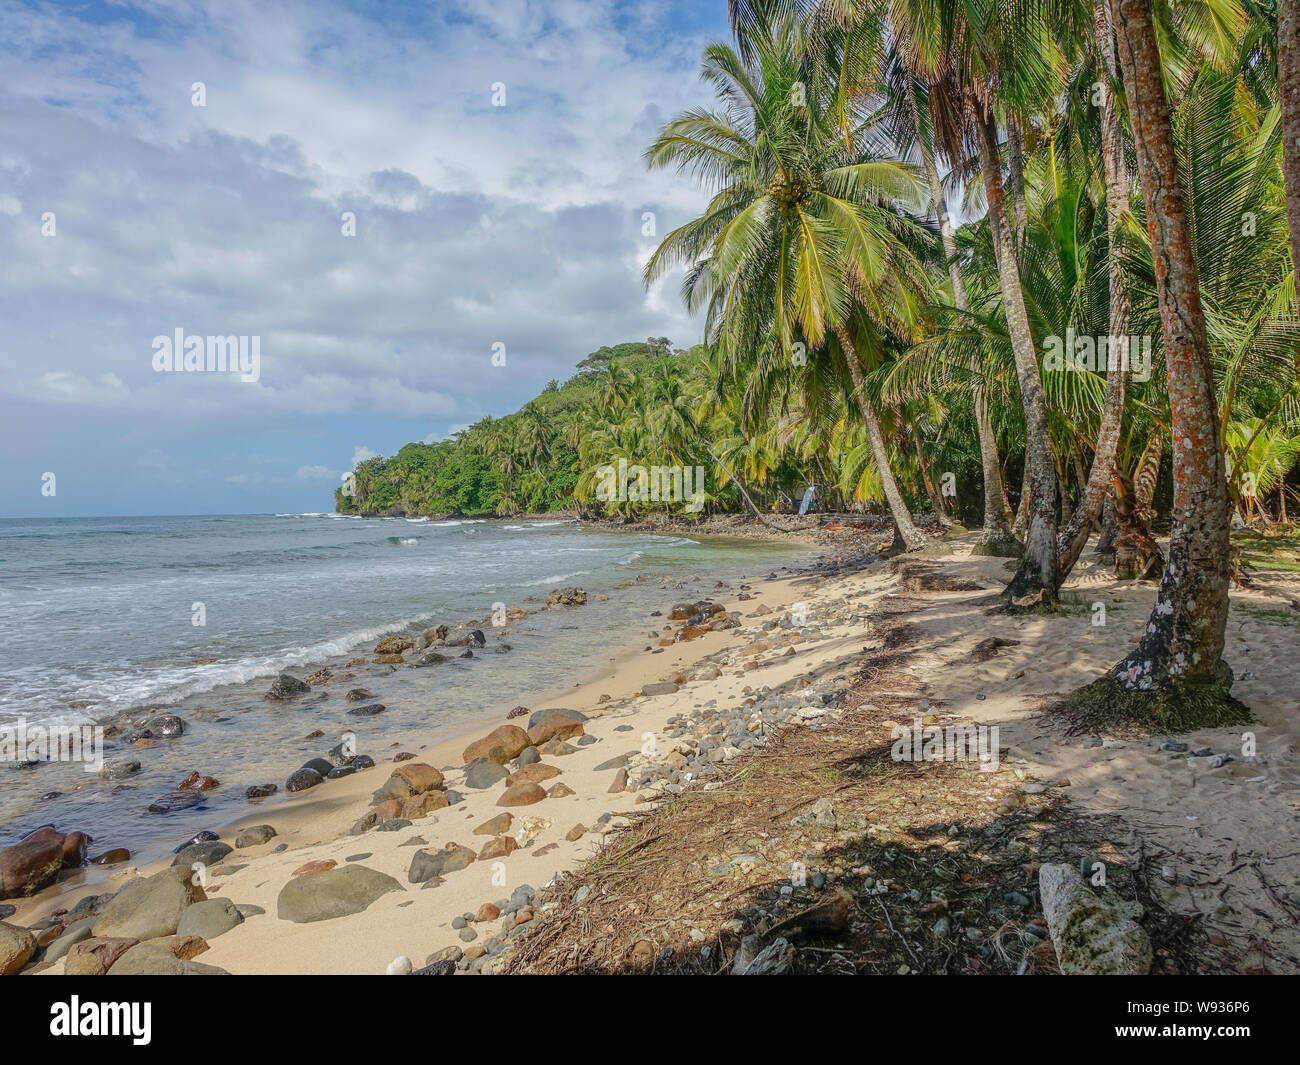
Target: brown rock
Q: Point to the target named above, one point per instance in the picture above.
(388, 660)
(320, 865)
(394, 645)
(388, 809)
(557, 748)
(576, 832)
(498, 848)
(419, 777)
(554, 727)
(560, 791)
(534, 774)
(424, 805)
(74, 849)
(620, 782)
(30, 864)
(500, 745)
(95, 956)
(17, 945)
(495, 826)
(523, 794)
(487, 912)
(196, 782)
(184, 947)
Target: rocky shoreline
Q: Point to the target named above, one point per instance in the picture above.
(413, 791)
(723, 799)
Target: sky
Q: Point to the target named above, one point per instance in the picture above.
(373, 194)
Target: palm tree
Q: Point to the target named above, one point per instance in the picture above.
(1176, 675)
(800, 247)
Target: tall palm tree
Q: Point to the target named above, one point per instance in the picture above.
(800, 244)
(1176, 675)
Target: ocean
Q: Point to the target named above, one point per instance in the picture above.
(103, 616)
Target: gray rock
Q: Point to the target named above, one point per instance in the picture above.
(75, 934)
(659, 688)
(528, 756)
(776, 959)
(204, 853)
(1091, 934)
(119, 770)
(425, 864)
(302, 780)
(146, 908)
(286, 686)
(254, 836)
(152, 959)
(484, 773)
(209, 919)
(336, 892)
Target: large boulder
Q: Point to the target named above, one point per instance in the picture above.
(149, 907)
(31, 863)
(337, 893)
(1092, 934)
(209, 919)
(500, 745)
(17, 945)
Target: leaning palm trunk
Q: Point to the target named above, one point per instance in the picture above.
(912, 536)
(1176, 677)
(996, 539)
(936, 500)
(1288, 67)
(1037, 575)
(1079, 527)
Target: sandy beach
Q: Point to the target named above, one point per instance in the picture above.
(1219, 834)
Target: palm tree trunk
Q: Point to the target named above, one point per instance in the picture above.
(1037, 574)
(1288, 68)
(1016, 178)
(912, 536)
(996, 538)
(1179, 659)
(936, 500)
(1020, 524)
(1079, 528)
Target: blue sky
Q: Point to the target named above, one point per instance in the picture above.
(127, 212)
